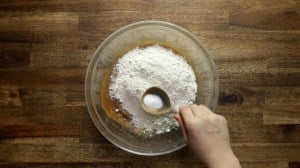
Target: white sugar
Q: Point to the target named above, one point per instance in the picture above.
(142, 68)
(153, 101)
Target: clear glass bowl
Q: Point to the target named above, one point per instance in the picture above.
(130, 37)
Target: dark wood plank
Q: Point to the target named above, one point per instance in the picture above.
(246, 125)
(282, 164)
(89, 133)
(38, 21)
(282, 106)
(68, 165)
(204, 21)
(43, 77)
(43, 115)
(75, 96)
(43, 96)
(294, 164)
(281, 78)
(283, 96)
(21, 131)
(14, 58)
(281, 114)
(242, 96)
(108, 152)
(267, 152)
(114, 5)
(264, 15)
(59, 58)
(10, 95)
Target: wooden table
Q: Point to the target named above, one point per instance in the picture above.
(46, 47)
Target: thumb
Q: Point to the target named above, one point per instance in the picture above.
(182, 126)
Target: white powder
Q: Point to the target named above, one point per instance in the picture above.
(142, 68)
(153, 101)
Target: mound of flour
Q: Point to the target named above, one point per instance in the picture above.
(142, 68)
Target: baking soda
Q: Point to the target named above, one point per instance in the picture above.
(152, 66)
(153, 101)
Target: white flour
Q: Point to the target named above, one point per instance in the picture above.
(142, 68)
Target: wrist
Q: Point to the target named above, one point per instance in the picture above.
(227, 160)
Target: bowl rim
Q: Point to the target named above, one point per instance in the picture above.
(106, 42)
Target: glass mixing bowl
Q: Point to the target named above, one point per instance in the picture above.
(130, 37)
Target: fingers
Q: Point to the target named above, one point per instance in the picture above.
(196, 110)
(186, 113)
(185, 117)
(206, 109)
(182, 126)
(202, 111)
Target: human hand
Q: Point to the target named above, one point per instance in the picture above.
(207, 134)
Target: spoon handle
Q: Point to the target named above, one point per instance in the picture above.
(175, 108)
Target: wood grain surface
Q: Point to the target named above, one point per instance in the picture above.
(45, 47)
